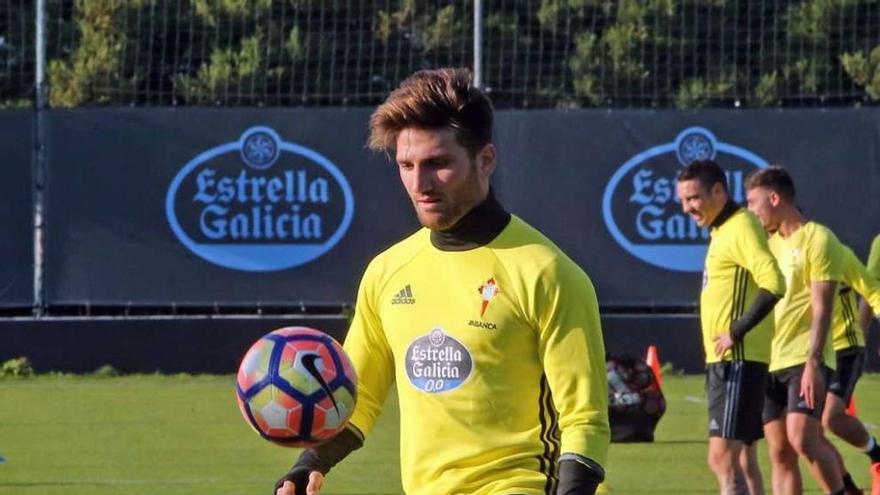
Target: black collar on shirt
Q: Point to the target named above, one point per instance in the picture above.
(729, 209)
(476, 228)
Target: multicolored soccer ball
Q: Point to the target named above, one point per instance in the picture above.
(296, 387)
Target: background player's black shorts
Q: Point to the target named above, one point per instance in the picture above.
(736, 394)
(784, 390)
(850, 364)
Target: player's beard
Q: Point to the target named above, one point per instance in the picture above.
(454, 203)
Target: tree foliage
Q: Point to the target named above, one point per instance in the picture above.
(571, 53)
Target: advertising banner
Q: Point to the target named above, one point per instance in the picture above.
(287, 206)
(214, 207)
(602, 184)
(16, 205)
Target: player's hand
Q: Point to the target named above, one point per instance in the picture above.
(316, 481)
(812, 383)
(723, 343)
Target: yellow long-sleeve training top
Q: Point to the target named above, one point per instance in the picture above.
(498, 359)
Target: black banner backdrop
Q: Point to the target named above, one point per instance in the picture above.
(16, 205)
(248, 206)
(601, 184)
(130, 224)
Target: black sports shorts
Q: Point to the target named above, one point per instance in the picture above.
(783, 394)
(735, 390)
(850, 364)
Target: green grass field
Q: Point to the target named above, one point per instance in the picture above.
(168, 435)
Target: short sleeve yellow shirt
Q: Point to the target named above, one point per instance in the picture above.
(811, 254)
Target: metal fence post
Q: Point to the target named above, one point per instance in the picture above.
(478, 44)
(39, 155)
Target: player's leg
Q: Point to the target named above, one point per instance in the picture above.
(847, 428)
(749, 423)
(850, 363)
(804, 430)
(785, 474)
(805, 435)
(748, 462)
(835, 420)
(849, 485)
(723, 385)
(834, 416)
(724, 462)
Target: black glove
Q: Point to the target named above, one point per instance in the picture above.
(322, 458)
(578, 475)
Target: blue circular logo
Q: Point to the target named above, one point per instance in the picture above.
(259, 147)
(694, 144)
(437, 362)
(232, 207)
(641, 209)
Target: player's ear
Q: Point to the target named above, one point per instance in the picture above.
(774, 198)
(486, 158)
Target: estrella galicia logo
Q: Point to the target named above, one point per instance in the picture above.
(437, 362)
(259, 204)
(641, 209)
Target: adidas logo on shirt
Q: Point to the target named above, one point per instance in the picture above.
(713, 425)
(405, 296)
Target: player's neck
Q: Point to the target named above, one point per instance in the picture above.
(725, 211)
(792, 220)
(476, 228)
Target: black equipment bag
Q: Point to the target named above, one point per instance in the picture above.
(635, 401)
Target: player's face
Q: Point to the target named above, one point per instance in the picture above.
(760, 201)
(441, 177)
(701, 203)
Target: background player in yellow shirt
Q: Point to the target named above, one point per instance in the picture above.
(866, 319)
(801, 354)
(741, 285)
(848, 340)
(490, 333)
(866, 315)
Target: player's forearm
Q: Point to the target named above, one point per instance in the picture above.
(581, 399)
(587, 435)
(822, 303)
(819, 334)
(761, 306)
(323, 457)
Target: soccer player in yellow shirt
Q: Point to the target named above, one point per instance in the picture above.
(801, 354)
(848, 340)
(741, 285)
(866, 318)
(866, 315)
(488, 331)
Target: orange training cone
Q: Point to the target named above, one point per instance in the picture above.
(654, 363)
(851, 408)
